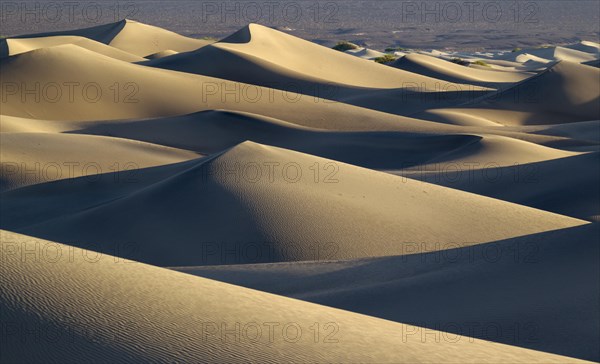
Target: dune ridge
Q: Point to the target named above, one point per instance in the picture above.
(234, 184)
(154, 187)
(128, 35)
(89, 327)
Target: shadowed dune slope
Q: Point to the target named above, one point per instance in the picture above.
(23, 45)
(170, 199)
(272, 194)
(538, 291)
(14, 124)
(105, 88)
(568, 186)
(582, 52)
(566, 92)
(31, 158)
(594, 63)
(589, 130)
(451, 72)
(263, 56)
(162, 54)
(93, 319)
(213, 131)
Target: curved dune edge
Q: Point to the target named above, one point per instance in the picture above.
(146, 92)
(436, 196)
(199, 199)
(565, 92)
(23, 45)
(130, 36)
(162, 54)
(166, 315)
(566, 186)
(215, 130)
(262, 56)
(32, 158)
(451, 72)
(527, 282)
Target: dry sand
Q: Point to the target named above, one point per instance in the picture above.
(270, 162)
(119, 310)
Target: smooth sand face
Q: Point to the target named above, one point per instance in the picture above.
(121, 310)
(264, 188)
(392, 288)
(448, 71)
(32, 158)
(256, 46)
(270, 162)
(18, 46)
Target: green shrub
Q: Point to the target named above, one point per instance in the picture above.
(516, 50)
(460, 61)
(344, 46)
(481, 63)
(385, 59)
(395, 49)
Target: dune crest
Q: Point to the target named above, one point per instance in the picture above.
(263, 56)
(319, 192)
(90, 327)
(448, 201)
(127, 35)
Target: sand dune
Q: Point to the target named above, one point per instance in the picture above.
(572, 192)
(199, 200)
(498, 151)
(365, 53)
(576, 54)
(451, 72)
(213, 131)
(594, 63)
(278, 164)
(68, 297)
(566, 92)
(584, 130)
(122, 90)
(13, 124)
(31, 158)
(267, 57)
(539, 289)
(459, 116)
(23, 45)
(132, 37)
(528, 65)
(586, 46)
(162, 54)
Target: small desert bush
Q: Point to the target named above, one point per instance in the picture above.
(395, 49)
(385, 59)
(481, 63)
(344, 46)
(460, 61)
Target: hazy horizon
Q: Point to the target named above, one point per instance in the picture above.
(425, 24)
